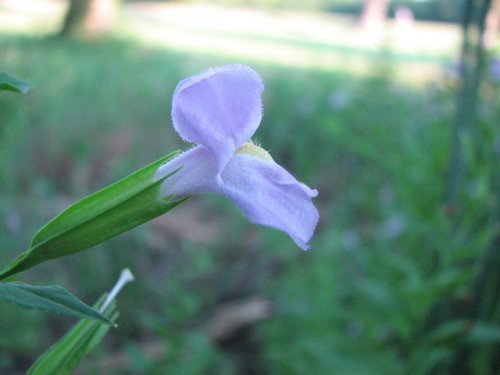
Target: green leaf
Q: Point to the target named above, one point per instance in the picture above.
(9, 82)
(98, 204)
(63, 357)
(49, 298)
(115, 209)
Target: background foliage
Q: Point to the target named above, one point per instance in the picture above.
(390, 273)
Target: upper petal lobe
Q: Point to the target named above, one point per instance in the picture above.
(219, 108)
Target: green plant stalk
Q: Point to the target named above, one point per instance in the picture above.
(472, 64)
(63, 357)
(485, 288)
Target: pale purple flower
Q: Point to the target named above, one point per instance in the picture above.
(219, 110)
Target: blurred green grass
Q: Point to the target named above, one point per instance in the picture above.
(385, 253)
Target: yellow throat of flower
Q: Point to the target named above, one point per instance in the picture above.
(250, 148)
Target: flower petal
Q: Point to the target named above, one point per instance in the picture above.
(267, 194)
(219, 108)
(196, 174)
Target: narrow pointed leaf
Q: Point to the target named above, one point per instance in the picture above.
(97, 218)
(49, 298)
(63, 357)
(9, 82)
(100, 202)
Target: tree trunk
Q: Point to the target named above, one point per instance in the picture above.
(89, 18)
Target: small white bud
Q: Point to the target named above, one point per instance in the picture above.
(125, 277)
